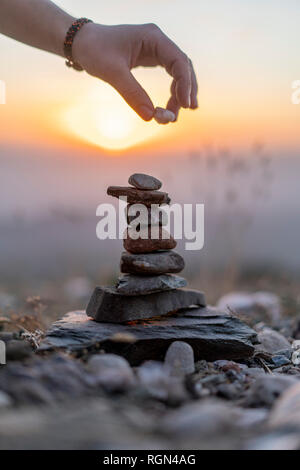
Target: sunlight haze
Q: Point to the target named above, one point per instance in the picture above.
(245, 65)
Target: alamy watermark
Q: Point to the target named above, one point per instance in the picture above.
(2, 92)
(295, 97)
(187, 222)
(2, 353)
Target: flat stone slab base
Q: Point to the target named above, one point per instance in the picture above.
(108, 305)
(212, 334)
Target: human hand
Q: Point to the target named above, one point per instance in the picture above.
(111, 52)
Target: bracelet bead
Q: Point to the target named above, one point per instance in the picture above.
(68, 43)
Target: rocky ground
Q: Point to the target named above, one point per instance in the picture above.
(57, 396)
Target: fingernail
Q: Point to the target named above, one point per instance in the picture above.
(145, 112)
(187, 103)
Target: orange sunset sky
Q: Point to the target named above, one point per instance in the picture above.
(66, 136)
(246, 54)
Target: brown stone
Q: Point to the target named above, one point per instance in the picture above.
(142, 181)
(139, 196)
(164, 241)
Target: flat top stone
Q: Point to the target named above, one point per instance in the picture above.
(212, 334)
(131, 284)
(142, 181)
(139, 196)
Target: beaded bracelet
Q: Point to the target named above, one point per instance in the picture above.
(72, 31)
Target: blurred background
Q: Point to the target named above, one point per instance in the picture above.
(64, 137)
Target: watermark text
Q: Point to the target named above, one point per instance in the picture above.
(138, 221)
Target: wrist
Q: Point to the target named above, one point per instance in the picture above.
(82, 43)
(60, 32)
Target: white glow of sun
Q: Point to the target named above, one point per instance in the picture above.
(103, 118)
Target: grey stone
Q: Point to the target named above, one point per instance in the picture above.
(46, 380)
(250, 419)
(130, 284)
(154, 378)
(213, 380)
(142, 181)
(17, 350)
(180, 359)
(94, 424)
(211, 333)
(255, 307)
(230, 391)
(99, 362)
(5, 400)
(286, 411)
(254, 372)
(266, 389)
(139, 196)
(156, 382)
(277, 440)
(200, 391)
(107, 305)
(271, 341)
(285, 352)
(279, 360)
(164, 116)
(209, 417)
(7, 336)
(152, 263)
(112, 372)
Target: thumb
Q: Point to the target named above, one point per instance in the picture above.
(134, 94)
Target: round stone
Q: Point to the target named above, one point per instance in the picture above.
(180, 358)
(164, 116)
(142, 181)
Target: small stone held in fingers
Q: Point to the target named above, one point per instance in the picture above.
(164, 116)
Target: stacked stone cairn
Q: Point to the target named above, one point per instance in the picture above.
(148, 287)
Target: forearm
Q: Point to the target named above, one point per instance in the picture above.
(38, 23)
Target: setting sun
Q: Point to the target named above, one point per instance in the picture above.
(104, 119)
